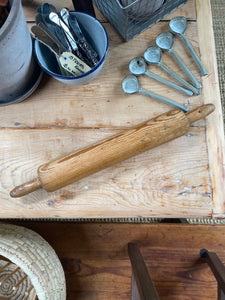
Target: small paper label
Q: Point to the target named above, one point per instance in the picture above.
(73, 64)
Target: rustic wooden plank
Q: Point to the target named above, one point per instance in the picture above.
(102, 103)
(215, 134)
(29, 6)
(171, 180)
(96, 263)
(188, 10)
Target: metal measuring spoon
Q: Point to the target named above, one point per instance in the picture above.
(138, 66)
(178, 26)
(153, 55)
(131, 85)
(165, 41)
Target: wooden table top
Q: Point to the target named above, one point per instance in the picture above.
(183, 178)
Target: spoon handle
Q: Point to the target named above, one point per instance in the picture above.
(168, 83)
(162, 99)
(185, 68)
(194, 55)
(179, 79)
(55, 19)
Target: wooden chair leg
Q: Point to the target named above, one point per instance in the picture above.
(218, 270)
(142, 287)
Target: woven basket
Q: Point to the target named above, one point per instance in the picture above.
(36, 258)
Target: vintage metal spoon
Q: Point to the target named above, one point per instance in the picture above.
(153, 56)
(56, 19)
(42, 25)
(131, 85)
(81, 41)
(58, 32)
(165, 41)
(178, 26)
(138, 66)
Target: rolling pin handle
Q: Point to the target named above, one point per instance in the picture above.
(26, 188)
(200, 113)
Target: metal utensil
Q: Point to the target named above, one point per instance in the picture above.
(49, 33)
(165, 41)
(51, 36)
(153, 55)
(84, 45)
(65, 15)
(86, 50)
(138, 66)
(46, 38)
(66, 60)
(56, 20)
(56, 30)
(75, 49)
(131, 85)
(178, 26)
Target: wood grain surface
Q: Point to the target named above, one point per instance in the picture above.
(97, 266)
(183, 178)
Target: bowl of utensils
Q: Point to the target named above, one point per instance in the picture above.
(70, 46)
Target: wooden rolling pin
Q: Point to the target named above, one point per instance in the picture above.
(65, 170)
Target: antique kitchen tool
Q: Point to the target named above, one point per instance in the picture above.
(95, 34)
(56, 20)
(165, 41)
(153, 55)
(178, 26)
(58, 32)
(65, 170)
(67, 61)
(138, 66)
(131, 85)
(85, 48)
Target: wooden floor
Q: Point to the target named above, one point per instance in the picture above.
(96, 264)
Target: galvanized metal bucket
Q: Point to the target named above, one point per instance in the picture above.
(131, 17)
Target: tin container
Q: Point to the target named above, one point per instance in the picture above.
(131, 17)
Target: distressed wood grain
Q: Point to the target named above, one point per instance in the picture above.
(183, 178)
(215, 125)
(30, 7)
(157, 182)
(102, 103)
(96, 263)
